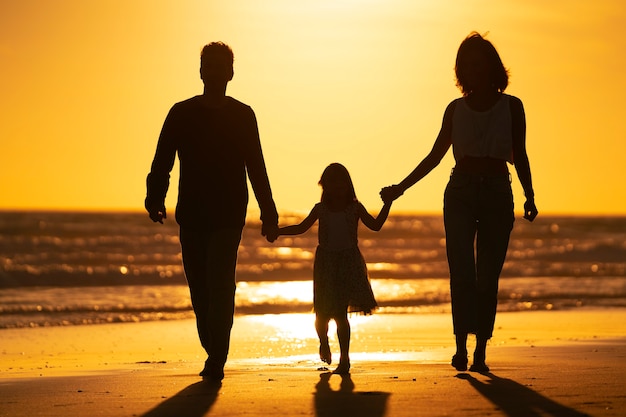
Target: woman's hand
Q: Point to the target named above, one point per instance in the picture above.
(530, 210)
(389, 194)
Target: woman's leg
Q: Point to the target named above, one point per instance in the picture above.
(492, 243)
(492, 240)
(460, 227)
(459, 360)
(480, 354)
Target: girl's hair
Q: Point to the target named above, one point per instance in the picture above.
(474, 42)
(336, 172)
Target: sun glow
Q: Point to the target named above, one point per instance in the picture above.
(362, 82)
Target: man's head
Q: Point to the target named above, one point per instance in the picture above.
(216, 64)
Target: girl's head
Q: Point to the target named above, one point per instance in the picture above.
(478, 66)
(337, 184)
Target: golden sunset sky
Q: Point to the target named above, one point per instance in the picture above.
(86, 86)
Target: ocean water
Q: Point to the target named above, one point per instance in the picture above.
(67, 268)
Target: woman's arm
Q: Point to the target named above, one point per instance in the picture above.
(440, 148)
(374, 223)
(298, 229)
(520, 157)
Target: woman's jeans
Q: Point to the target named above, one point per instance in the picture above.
(476, 209)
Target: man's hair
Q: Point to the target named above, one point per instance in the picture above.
(217, 49)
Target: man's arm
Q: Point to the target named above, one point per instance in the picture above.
(157, 182)
(257, 173)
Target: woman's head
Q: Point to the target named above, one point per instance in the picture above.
(336, 182)
(478, 66)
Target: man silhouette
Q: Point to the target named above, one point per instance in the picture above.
(217, 141)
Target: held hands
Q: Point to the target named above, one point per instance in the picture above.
(530, 210)
(270, 231)
(391, 193)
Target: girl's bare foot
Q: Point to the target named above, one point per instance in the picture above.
(325, 354)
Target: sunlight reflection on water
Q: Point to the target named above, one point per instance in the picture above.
(290, 339)
(357, 358)
(287, 326)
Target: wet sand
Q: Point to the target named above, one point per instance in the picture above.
(548, 363)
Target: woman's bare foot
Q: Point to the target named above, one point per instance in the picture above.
(479, 362)
(459, 362)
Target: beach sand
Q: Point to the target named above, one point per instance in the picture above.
(545, 363)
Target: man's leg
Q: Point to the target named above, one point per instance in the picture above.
(209, 260)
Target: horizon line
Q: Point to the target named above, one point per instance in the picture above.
(254, 211)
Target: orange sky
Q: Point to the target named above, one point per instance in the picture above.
(86, 86)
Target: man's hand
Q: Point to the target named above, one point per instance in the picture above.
(157, 213)
(270, 231)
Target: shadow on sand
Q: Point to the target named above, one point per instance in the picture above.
(194, 401)
(346, 401)
(516, 400)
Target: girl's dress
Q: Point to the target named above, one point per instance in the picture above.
(340, 282)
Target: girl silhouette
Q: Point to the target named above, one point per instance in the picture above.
(340, 282)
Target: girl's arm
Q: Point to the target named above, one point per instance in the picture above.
(520, 157)
(374, 223)
(298, 229)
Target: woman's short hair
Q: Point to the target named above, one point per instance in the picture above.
(476, 42)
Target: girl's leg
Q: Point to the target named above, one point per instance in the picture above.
(321, 326)
(343, 334)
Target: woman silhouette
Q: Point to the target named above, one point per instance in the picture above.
(486, 129)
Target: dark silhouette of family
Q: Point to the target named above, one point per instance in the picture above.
(217, 142)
